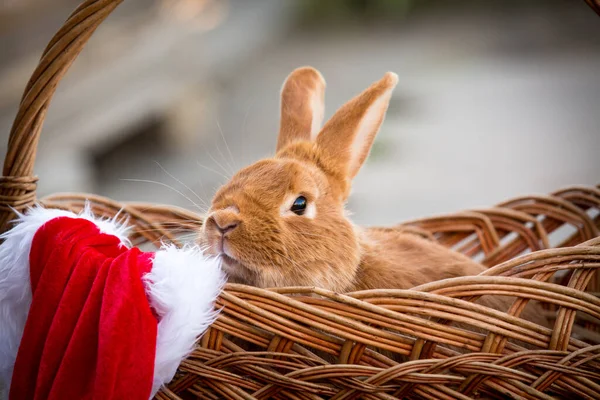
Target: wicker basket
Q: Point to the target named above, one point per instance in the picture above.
(538, 247)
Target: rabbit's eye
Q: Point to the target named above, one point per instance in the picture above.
(299, 205)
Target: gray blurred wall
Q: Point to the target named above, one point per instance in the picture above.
(494, 100)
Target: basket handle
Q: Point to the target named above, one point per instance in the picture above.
(18, 185)
(595, 4)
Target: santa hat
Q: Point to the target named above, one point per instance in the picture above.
(83, 315)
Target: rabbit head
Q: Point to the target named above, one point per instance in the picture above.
(281, 221)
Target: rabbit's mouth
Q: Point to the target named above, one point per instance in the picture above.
(229, 265)
(236, 271)
(228, 260)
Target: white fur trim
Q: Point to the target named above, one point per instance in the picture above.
(182, 286)
(15, 288)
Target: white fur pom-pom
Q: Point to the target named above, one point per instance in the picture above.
(182, 287)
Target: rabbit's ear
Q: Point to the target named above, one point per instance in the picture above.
(302, 106)
(347, 137)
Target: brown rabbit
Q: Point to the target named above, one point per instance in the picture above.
(281, 221)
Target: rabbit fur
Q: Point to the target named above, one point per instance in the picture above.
(263, 243)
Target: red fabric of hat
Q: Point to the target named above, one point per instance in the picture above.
(90, 332)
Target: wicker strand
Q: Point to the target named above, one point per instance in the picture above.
(19, 193)
(594, 4)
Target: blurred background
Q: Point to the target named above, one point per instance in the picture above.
(170, 97)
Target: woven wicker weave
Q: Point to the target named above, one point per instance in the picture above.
(545, 248)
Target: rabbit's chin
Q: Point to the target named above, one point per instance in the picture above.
(237, 272)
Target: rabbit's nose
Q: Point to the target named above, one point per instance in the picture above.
(225, 221)
(227, 228)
